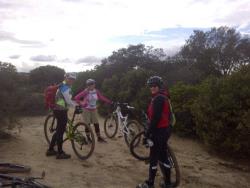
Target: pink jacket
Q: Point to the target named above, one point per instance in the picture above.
(83, 99)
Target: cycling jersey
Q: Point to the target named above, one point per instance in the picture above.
(64, 97)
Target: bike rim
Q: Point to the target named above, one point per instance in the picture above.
(138, 149)
(83, 141)
(50, 127)
(110, 126)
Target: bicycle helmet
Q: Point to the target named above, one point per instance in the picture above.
(70, 76)
(90, 82)
(155, 81)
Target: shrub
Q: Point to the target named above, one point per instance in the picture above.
(182, 99)
(222, 113)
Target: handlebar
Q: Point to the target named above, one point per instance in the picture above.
(116, 104)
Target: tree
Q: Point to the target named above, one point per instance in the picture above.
(219, 51)
(43, 76)
(8, 94)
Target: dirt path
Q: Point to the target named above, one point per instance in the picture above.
(111, 165)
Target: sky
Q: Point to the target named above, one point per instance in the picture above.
(76, 34)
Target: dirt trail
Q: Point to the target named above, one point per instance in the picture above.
(111, 165)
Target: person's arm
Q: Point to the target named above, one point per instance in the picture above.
(80, 96)
(103, 98)
(66, 92)
(158, 104)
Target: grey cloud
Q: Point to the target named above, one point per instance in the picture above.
(236, 18)
(5, 5)
(66, 60)
(89, 60)
(43, 58)
(14, 56)
(26, 67)
(7, 36)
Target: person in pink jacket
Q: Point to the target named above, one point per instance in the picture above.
(87, 100)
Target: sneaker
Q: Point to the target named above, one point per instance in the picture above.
(163, 184)
(100, 139)
(63, 155)
(51, 153)
(144, 185)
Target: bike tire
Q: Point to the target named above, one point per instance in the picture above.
(175, 168)
(171, 156)
(129, 138)
(49, 129)
(134, 144)
(106, 126)
(13, 168)
(14, 181)
(80, 138)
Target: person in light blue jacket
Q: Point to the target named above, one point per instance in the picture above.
(62, 102)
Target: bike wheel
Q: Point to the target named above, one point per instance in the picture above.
(13, 168)
(50, 127)
(138, 149)
(110, 126)
(14, 181)
(133, 128)
(175, 170)
(83, 141)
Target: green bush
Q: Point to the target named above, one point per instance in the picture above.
(182, 99)
(222, 113)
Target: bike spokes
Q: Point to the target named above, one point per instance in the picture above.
(138, 149)
(110, 126)
(83, 141)
(50, 127)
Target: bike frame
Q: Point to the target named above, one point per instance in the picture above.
(122, 120)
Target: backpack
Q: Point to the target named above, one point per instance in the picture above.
(50, 96)
(172, 115)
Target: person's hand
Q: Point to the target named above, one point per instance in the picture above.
(78, 110)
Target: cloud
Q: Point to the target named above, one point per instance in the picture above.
(66, 60)
(7, 36)
(89, 61)
(43, 58)
(164, 36)
(26, 67)
(4, 4)
(14, 56)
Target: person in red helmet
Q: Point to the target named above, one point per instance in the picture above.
(159, 131)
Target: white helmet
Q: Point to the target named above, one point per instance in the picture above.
(70, 76)
(90, 82)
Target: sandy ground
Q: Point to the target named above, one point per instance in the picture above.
(112, 166)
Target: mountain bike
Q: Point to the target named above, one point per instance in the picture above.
(13, 168)
(80, 134)
(16, 182)
(128, 128)
(141, 151)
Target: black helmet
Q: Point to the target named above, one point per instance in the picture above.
(155, 81)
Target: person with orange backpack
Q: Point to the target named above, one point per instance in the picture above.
(59, 102)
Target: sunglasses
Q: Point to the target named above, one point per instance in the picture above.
(153, 86)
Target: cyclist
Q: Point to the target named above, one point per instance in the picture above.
(87, 99)
(62, 102)
(159, 131)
